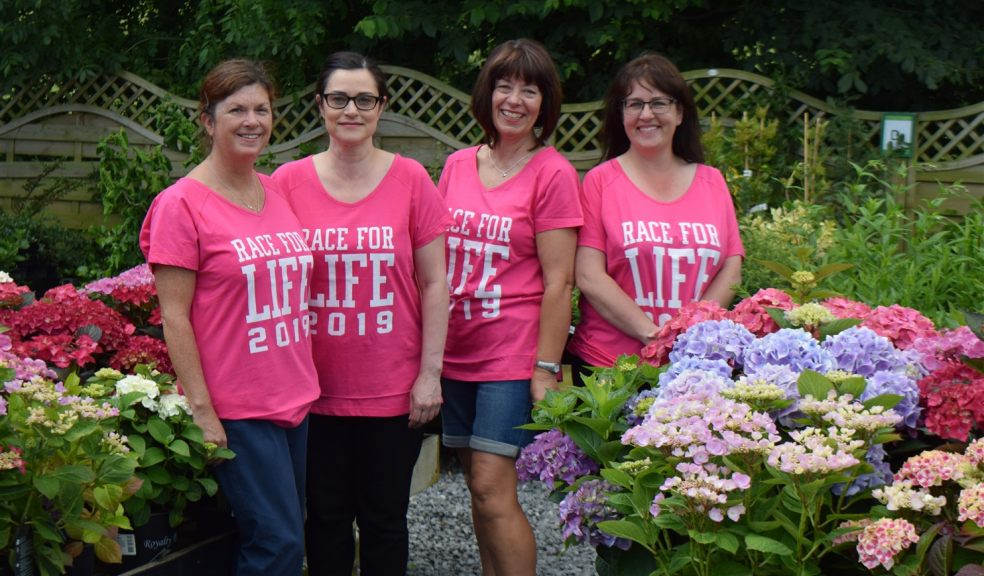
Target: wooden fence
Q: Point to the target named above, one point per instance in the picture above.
(425, 119)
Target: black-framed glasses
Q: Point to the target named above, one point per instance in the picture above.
(339, 100)
(657, 105)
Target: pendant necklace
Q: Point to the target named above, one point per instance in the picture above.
(249, 205)
(505, 173)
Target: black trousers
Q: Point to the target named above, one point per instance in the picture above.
(359, 468)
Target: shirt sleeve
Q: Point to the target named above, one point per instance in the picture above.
(169, 234)
(557, 203)
(429, 214)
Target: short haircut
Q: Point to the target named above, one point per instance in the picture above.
(529, 61)
(351, 61)
(655, 71)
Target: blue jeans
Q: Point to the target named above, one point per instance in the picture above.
(484, 415)
(264, 485)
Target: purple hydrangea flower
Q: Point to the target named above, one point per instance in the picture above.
(790, 347)
(694, 382)
(713, 339)
(553, 456)
(861, 351)
(582, 510)
(897, 383)
(717, 366)
(880, 477)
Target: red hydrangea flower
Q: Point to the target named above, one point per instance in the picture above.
(142, 350)
(953, 398)
(11, 295)
(751, 312)
(658, 351)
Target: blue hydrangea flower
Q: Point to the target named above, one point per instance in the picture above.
(553, 456)
(861, 351)
(713, 339)
(582, 510)
(790, 347)
(897, 383)
(717, 366)
(880, 477)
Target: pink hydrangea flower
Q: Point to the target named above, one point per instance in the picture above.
(932, 468)
(899, 324)
(844, 308)
(856, 528)
(947, 347)
(882, 540)
(751, 312)
(970, 505)
(975, 452)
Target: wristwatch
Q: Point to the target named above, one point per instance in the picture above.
(552, 367)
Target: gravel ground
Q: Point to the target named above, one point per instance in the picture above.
(442, 542)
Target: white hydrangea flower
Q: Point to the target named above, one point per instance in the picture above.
(4, 277)
(135, 383)
(171, 405)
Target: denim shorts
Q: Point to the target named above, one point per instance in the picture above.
(483, 415)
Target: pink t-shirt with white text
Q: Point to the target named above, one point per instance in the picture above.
(662, 254)
(365, 303)
(494, 271)
(249, 309)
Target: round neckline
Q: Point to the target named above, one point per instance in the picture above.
(641, 192)
(219, 195)
(367, 197)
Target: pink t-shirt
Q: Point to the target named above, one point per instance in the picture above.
(662, 254)
(365, 303)
(249, 310)
(493, 269)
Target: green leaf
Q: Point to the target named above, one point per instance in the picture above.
(814, 384)
(194, 434)
(853, 386)
(625, 529)
(617, 477)
(152, 456)
(780, 269)
(211, 486)
(727, 541)
(47, 485)
(837, 326)
(702, 537)
(74, 474)
(180, 447)
(885, 400)
(767, 545)
(160, 430)
(778, 316)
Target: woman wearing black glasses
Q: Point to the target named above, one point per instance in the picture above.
(378, 317)
(659, 226)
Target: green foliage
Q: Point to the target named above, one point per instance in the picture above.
(745, 154)
(924, 259)
(129, 179)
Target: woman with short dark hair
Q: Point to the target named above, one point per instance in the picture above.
(513, 201)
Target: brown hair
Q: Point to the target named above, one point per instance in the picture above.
(351, 61)
(226, 78)
(656, 71)
(529, 61)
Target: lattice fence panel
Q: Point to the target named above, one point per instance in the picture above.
(951, 139)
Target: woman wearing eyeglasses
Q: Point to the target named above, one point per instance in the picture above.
(378, 318)
(659, 226)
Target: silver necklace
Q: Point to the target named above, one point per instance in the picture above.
(505, 173)
(239, 199)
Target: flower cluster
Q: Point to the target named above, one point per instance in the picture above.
(844, 308)
(844, 412)
(809, 314)
(932, 468)
(133, 293)
(658, 351)
(947, 347)
(902, 495)
(713, 340)
(706, 487)
(11, 295)
(883, 539)
(860, 351)
(816, 452)
(552, 457)
(970, 506)
(790, 347)
(751, 312)
(953, 397)
(903, 326)
(582, 510)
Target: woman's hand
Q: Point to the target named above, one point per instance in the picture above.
(540, 383)
(425, 399)
(212, 429)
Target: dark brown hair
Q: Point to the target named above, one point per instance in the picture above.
(351, 61)
(225, 79)
(529, 61)
(655, 71)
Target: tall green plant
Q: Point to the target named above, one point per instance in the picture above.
(129, 178)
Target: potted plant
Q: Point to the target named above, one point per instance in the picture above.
(64, 471)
